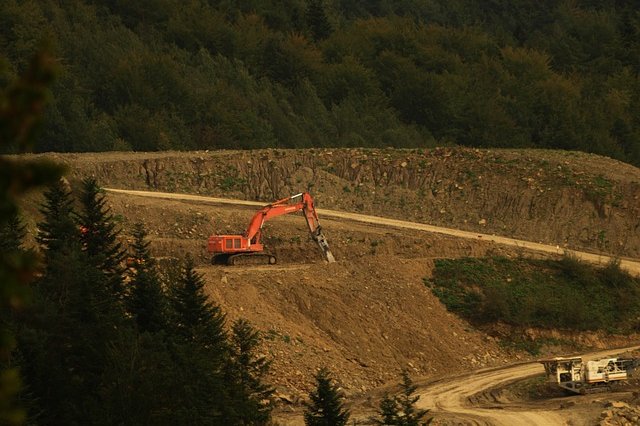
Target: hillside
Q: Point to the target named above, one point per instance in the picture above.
(370, 314)
(362, 321)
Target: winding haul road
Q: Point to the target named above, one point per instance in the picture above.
(450, 396)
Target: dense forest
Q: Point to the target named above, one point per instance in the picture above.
(104, 344)
(168, 74)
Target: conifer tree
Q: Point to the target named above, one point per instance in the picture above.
(65, 339)
(99, 235)
(12, 233)
(326, 407)
(201, 350)
(60, 238)
(146, 299)
(75, 318)
(401, 410)
(197, 319)
(247, 370)
(11, 237)
(144, 385)
(58, 232)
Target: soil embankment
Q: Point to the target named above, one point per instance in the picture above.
(569, 199)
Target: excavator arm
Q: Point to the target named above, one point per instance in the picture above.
(299, 202)
(229, 247)
(311, 216)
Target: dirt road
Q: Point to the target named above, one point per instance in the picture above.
(450, 396)
(631, 265)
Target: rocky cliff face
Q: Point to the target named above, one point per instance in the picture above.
(574, 200)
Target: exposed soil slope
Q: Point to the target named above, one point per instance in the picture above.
(575, 200)
(365, 317)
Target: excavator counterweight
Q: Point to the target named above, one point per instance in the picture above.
(247, 248)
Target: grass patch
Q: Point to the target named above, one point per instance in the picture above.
(534, 346)
(565, 294)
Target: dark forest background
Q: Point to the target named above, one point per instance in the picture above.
(173, 74)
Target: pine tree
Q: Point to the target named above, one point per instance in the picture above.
(145, 298)
(401, 410)
(144, 385)
(201, 350)
(12, 233)
(389, 412)
(100, 236)
(75, 319)
(197, 319)
(326, 407)
(58, 231)
(11, 255)
(247, 370)
(65, 339)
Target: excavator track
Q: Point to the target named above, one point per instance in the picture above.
(244, 259)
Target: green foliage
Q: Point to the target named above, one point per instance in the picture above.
(143, 383)
(21, 103)
(75, 317)
(247, 369)
(400, 410)
(211, 75)
(317, 20)
(145, 299)
(12, 233)
(99, 235)
(534, 346)
(197, 319)
(167, 360)
(562, 293)
(58, 231)
(326, 407)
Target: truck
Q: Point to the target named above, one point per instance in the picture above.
(248, 248)
(578, 376)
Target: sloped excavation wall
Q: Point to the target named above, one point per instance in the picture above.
(573, 200)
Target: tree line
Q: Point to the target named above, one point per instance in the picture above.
(102, 343)
(162, 74)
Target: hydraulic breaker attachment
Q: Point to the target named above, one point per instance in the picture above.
(319, 238)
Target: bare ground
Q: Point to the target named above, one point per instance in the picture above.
(569, 199)
(370, 315)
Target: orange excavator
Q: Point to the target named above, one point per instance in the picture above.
(248, 249)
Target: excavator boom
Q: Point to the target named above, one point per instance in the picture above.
(231, 249)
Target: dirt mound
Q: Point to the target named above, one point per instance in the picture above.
(576, 200)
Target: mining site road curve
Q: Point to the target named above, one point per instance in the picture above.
(449, 396)
(630, 265)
